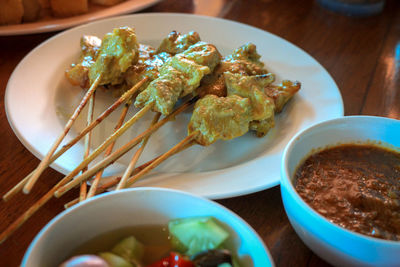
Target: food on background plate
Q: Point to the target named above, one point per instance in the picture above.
(106, 2)
(187, 242)
(45, 3)
(31, 10)
(354, 186)
(11, 12)
(66, 8)
(20, 11)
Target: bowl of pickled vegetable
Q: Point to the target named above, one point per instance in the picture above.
(147, 227)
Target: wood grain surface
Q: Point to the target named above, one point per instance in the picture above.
(361, 54)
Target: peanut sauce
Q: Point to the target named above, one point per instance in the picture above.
(354, 186)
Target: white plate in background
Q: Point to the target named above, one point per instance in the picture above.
(39, 101)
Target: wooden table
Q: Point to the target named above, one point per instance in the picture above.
(362, 55)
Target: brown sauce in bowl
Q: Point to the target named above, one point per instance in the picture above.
(354, 186)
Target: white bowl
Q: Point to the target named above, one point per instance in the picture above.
(335, 244)
(130, 207)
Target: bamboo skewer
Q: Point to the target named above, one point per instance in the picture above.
(107, 142)
(109, 149)
(71, 203)
(45, 162)
(113, 182)
(88, 137)
(121, 151)
(45, 198)
(126, 96)
(143, 169)
(132, 179)
(17, 188)
(185, 143)
(38, 204)
(83, 192)
(28, 213)
(132, 164)
(136, 156)
(64, 148)
(104, 187)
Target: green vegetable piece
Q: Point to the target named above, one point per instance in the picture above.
(114, 260)
(225, 264)
(177, 245)
(198, 234)
(130, 249)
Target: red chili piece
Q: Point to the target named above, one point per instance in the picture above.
(173, 260)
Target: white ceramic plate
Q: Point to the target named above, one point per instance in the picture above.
(39, 100)
(49, 23)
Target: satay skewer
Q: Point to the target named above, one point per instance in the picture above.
(46, 197)
(96, 180)
(117, 154)
(45, 162)
(180, 76)
(88, 139)
(135, 158)
(110, 63)
(62, 150)
(216, 118)
(128, 94)
(230, 119)
(147, 104)
(152, 66)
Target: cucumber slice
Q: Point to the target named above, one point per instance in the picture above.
(130, 249)
(114, 260)
(198, 234)
(177, 245)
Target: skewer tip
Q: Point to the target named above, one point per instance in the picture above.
(58, 194)
(26, 190)
(6, 197)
